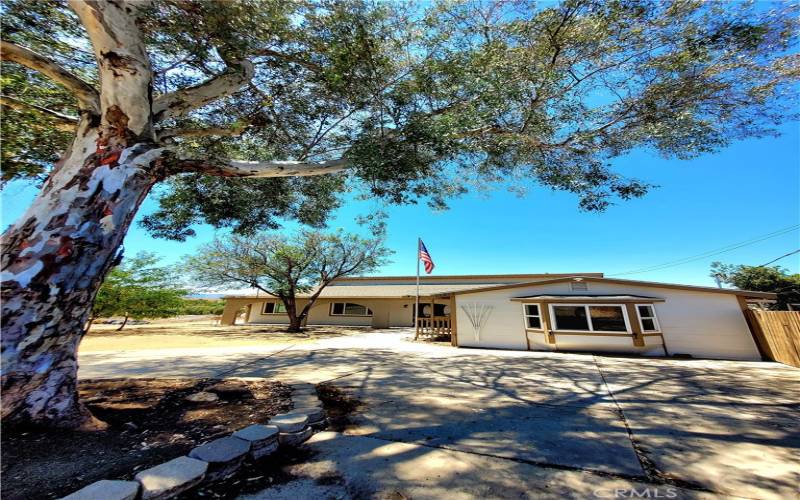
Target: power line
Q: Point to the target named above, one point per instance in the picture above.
(779, 258)
(710, 253)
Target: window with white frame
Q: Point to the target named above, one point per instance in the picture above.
(599, 318)
(533, 316)
(349, 309)
(273, 308)
(647, 318)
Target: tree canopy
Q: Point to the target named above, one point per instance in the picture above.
(420, 101)
(761, 279)
(286, 266)
(139, 288)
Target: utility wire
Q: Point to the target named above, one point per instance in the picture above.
(710, 253)
(779, 258)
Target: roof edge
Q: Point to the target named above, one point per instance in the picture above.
(655, 284)
(469, 276)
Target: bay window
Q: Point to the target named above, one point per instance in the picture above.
(533, 316)
(589, 318)
(647, 318)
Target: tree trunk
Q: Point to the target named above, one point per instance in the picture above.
(56, 255)
(295, 322)
(54, 260)
(124, 322)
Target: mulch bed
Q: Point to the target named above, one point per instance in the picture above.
(150, 422)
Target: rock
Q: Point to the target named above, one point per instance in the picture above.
(95, 399)
(288, 422)
(314, 413)
(106, 490)
(302, 385)
(294, 438)
(170, 478)
(224, 456)
(202, 397)
(231, 389)
(306, 401)
(130, 426)
(304, 389)
(263, 439)
(122, 406)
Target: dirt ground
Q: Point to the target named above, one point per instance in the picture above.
(200, 331)
(150, 422)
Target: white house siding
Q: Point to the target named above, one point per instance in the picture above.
(702, 324)
(385, 313)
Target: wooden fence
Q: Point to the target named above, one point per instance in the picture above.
(436, 326)
(777, 334)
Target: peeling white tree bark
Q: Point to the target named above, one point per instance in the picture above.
(180, 102)
(241, 168)
(57, 254)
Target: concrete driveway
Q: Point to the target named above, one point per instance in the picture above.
(462, 423)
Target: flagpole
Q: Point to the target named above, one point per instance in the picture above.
(416, 304)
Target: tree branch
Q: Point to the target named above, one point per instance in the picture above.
(66, 123)
(180, 102)
(238, 168)
(292, 58)
(87, 95)
(203, 132)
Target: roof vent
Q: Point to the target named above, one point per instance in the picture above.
(579, 286)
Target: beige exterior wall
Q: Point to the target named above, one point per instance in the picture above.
(703, 324)
(385, 313)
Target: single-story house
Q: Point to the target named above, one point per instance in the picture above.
(557, 312)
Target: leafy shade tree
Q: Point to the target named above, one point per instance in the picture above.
(284, 267)
(138, 288)
(760, 279)
(254, 110)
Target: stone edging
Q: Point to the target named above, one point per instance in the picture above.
(219, 458)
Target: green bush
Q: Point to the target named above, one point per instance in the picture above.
(192, 307)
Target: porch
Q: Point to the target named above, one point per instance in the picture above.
(435, 320)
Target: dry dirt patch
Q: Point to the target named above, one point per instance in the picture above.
(150, 422)
(194, 332)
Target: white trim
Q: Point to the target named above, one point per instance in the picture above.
(554, 321)
(654, 317)
(525, 316)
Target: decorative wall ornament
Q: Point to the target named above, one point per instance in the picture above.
(477, 314)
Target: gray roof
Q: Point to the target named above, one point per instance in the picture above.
(405, 286)
(382, 291)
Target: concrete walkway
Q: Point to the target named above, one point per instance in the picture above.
(462, 423)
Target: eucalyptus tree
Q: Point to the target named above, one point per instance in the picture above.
(286, 266)
(253, 111)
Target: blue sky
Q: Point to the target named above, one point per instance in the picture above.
(747, 190)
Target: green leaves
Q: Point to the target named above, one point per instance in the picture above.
(428, 100)
(284, 265)
(139, 288)
(761, 279)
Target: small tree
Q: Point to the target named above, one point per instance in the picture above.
(286, 266)
(137, 289)
(760, 279)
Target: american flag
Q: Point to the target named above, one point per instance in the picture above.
(425, 257)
